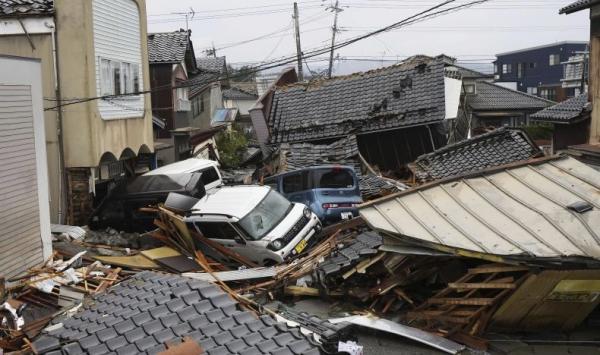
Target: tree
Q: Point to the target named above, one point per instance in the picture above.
(231, 145)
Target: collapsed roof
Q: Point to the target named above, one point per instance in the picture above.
(141, 314)
(18, 8)
(547, 208)
(568, 111)
(407, 94)
(499, 147)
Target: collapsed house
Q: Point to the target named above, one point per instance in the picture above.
(397, 113)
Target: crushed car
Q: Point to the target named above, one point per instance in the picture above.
(211, 176)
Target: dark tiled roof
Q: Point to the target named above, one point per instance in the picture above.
(140, 314)
(247, 86)
(365, 245)
(404, 94)
(563, 112)
(490, 96)
(168, 47)
(13, 8)
(238, 94)
(343, 152)
(499, 147)
(213, 64)
(578, 6)
(470, 73)
(199, 82)
(374, 186)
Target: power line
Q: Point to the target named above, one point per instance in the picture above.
(421, 16)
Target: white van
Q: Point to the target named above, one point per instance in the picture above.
(211, 176)
(256, 222)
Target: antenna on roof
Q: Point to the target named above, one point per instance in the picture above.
(188, 16)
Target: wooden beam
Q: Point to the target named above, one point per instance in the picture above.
(441, 318)
(463, 301)
(500, 268)
(475, 285)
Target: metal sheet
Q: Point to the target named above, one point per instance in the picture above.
(516, 210)
(415, 334)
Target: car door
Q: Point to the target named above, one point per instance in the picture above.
(295, 187)
(210, 178)
(225, 234)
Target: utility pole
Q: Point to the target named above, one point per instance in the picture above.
(214, 50)
(298, 48)
(336, 9)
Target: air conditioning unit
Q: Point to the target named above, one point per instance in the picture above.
(183, 105)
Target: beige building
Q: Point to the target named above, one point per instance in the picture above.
(98, 128)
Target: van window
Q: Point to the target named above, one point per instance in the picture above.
(217, 230)
(295, 182)
(272, 182)
(333, 178)
(209, 175)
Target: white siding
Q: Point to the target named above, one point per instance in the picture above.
(117, 37)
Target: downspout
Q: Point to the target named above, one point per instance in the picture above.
(61, 149)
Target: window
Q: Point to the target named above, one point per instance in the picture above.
(554, 59)
(118, 78)
(295, 182)
(333, 179)
(532, 65)
(202, 103)
(506, 68)
(548, 94)
(532, 90)
(209, 175)
(520, 69)
(266, 215)
(469, 88)
(217, 230)
(495, 68)
(182, 93)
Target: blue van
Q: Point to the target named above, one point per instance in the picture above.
(331, 191)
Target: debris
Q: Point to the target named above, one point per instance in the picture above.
(350, 347)
(135, 262)
(72, 232)
(235, 275)
(415, 334)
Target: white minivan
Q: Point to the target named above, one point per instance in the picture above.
(255, 221)
(211, 176)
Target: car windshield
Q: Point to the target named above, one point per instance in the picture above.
(266, 215)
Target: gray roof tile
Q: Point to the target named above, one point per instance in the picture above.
(21, 8)
(499, 147)
(563, 112)
(489, 96)
(216, 65)
(409, 93)
(234, 93)
(169, 47)
(219, 325)
(578, 6)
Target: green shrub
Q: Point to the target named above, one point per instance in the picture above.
(231, 145)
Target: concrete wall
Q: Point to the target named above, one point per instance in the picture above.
(243, 106)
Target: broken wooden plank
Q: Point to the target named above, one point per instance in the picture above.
(463, 301)
(496, 269)
(480, 285)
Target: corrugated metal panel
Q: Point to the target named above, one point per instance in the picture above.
(117, 36)
(21, 245)
(516, 210)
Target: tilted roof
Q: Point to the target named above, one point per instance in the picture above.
(409, 93)
(563, 112)
(545, 208)
(302, 155)
(213, 64)
(197, 83)
(167, 47)
(499, 147)
(13, 8)
(489, 96)
(234, 93)
(142, 313)
(578, 6)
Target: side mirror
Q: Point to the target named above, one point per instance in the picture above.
(239, 240)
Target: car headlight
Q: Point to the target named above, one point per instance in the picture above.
(276, 245)
(307, 212)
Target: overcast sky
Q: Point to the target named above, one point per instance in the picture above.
(473, 35)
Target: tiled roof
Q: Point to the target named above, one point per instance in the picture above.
(168, 47)
(364, 246)
(404, 94)
(238, 94)
(213, 64)
(563, 112)
(490, 96)
(499, 147)
(247, 86)
(199, 82)
(578, 6)
(470, 73)
(343, 152)
(140, 314)
(11, 8)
